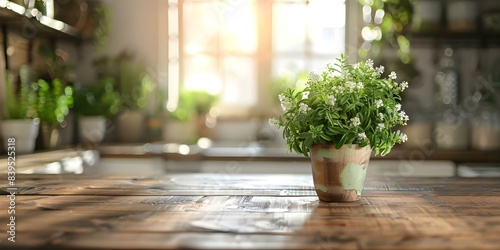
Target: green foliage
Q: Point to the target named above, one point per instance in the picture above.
(394, 27)
(279, 84)
(202, 100)
(346, 104)
(101, 18)
(98, 99)
(53, 101)
(133, 81)
(193, 102)
(18, 104)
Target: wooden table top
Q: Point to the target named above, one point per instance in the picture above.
(236, 211)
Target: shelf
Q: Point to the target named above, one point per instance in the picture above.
(469, 38)
(457, 156)
(280, 154)
(29, 26)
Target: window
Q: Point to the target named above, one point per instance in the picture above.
(234, 48)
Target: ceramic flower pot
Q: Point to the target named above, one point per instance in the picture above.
(339, 174)
(92, 129)
(24, 131)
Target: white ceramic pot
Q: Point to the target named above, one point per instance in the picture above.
(24, 132)
(92, 129)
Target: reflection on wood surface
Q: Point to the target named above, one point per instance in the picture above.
(208, 211)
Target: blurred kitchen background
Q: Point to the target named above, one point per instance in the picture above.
(197, 80)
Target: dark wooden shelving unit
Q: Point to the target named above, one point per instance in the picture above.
(469, 38)
(12, 16)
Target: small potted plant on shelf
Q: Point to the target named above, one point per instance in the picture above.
(134, 84)
(180, 126)
(338, 118)
(20, 121)
(203, 101)
(94, 104)
(52, 104)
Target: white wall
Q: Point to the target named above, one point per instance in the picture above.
(134, 28)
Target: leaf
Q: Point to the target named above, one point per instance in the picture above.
(308, 142)
(341, 142)
(326, 137)
(304, 135)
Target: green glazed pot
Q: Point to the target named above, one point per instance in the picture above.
(339, 174)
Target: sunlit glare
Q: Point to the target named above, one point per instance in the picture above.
(184, 149)
(193, 48)
(240, 29)
(14, 7)
(208, 82)
(55, 24)
(204, 142)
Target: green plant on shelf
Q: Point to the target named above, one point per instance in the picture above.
(193, 103)
(19, 104)
(99, 99)
(53, 101)
(133, 81)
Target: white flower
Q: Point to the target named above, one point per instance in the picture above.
(380, 69)
(403, 137)
(398, 107)
(350, 85)
(346, 74)
(369, 63)
(355, 66)
(313, 77)
(404, 85)
(359, 85)
(380, 116)
(393, 75)
(355, 122)
(362, 136)
(338, 89)
(331, 100)
(380, 126)
(379, 103)
(305, 95)
(285, 102)
(273, 121)
(403, 117)
(303, 108)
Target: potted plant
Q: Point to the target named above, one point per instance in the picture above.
(203, 101)
(180, 126)
(52, 104)
(135, 85)
(19, 117)
(338, 118)
(94, 104)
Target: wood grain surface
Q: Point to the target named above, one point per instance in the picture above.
(235, 211)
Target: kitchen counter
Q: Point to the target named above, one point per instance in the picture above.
(256, 152)
(247, 211)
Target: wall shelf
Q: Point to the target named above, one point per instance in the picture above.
(19, 19)
(469, 38)
(399, 153)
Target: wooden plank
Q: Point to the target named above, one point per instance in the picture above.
(120, 240)
(243, 213)
(251, 211)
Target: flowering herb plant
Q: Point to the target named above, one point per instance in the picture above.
(346, 104)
